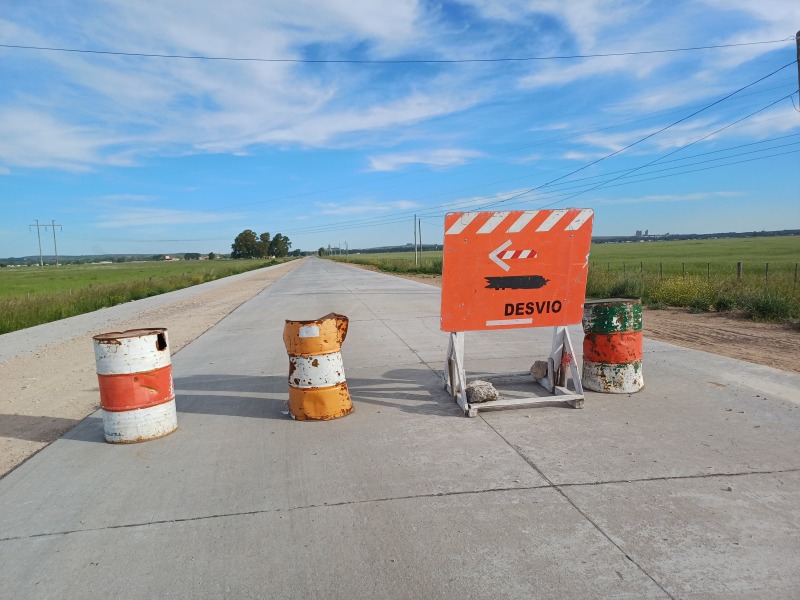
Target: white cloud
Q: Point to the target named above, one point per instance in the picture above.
(667, 198)
(363, 207)
(127, 198)
(35, 139)
(154, 217)
(441, 158)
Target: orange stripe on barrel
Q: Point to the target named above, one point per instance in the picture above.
(135, 391)
(613, 348)
(320, 404)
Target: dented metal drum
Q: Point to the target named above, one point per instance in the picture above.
(612, 346)
(137, 396)
(317, 386)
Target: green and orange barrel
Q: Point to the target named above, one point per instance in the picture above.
(612, 346)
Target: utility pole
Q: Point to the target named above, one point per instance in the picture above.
(416, 262)
(419, 223)
(346, 253)
(797, 41)
(55, 246)
(41, 260)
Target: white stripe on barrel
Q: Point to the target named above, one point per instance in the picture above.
(316, 371)
(134, 373)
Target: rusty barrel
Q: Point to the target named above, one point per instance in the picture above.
(612, 346)
(317, 386)
(134, 370)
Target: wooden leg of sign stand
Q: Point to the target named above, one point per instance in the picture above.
(560, 362)
(455, 378)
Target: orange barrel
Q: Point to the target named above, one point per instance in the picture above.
(612, 347)
(317, 387)
(137, 397)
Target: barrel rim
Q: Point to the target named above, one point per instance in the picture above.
(129, 333)
(599, 301)
(319, 321)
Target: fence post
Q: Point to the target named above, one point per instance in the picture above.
(683, 270)
(766, 274)
(795, 277)
(624, 270)
(708, 271)
(661, 270)
(739, 270)
(641, 269)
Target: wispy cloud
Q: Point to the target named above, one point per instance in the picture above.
(125, 198)
(150, 217)
(440, 158)
(363, 207)
(668, 198)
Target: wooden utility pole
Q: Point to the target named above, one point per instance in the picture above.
(797, 41)
(416, 259)
(419, 223)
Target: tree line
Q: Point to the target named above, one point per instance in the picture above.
(249, 244)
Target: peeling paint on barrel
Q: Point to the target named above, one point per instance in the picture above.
(317, 386)
(137, 395)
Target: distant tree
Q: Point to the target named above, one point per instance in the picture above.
(191, 256)
(296, 252)
(263, 245)
(157, 257)
(322, 251)
(121, 259)
(279, 246)
(246, 245)
(211, 256)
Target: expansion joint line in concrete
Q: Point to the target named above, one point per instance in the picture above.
(548, 485)
(580, 511)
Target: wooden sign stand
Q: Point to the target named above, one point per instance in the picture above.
(560, 361)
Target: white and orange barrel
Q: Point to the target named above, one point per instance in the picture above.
(134, 370)
(612, 346)
(317, 386)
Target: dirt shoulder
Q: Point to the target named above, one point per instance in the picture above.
(771, 344)
(45, 393)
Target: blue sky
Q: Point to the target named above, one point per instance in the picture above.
(152, 155)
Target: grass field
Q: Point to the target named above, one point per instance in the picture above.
(30, 296)
(699, 274)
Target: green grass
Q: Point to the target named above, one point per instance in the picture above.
(701, 275)
(31, 296)
(399, 262)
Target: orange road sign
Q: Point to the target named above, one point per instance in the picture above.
(512, 269)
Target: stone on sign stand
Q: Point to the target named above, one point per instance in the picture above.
(539, 369)
(481, 391)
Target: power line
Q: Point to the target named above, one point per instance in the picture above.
(649, 135)
(560, 193)
(647, 164)
(408, 61)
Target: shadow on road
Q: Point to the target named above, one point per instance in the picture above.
(416, 391)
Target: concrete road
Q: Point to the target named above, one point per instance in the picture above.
(688, 489)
